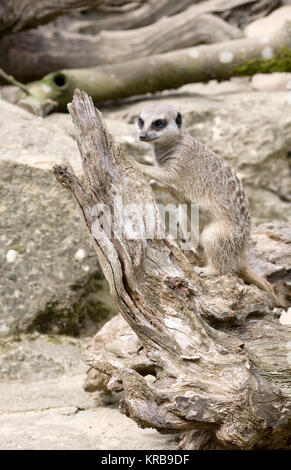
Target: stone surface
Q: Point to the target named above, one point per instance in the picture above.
(40, 357)
(123, 131)
(269, 24)
(44, 284)
(43, 405)
(272, 82)
(285, 318)
(68, 428)
(9, 93)
(29, 140)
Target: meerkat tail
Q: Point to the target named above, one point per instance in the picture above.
(249, 276)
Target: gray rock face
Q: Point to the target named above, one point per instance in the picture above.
(123, 131)
(38, 357)
(29, 140)
(43, 406)
(70, 428)
(50, 279)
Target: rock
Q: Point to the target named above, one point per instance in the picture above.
(285, 318)
(4, 331)
(36, 358)
(101, 428)
(29, 140)
(43, 406)
(267, 25)
(123, 131)
(43, 285)
(259, 148)
(9, 93)
(272, 82)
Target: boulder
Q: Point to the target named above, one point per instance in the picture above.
(35, 357)
(277, 81)
(50, 280)
(270, 23)
(43, 406)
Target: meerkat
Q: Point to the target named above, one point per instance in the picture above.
(195, 174)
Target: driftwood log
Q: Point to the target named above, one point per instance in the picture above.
(31, 55)
(236, 12)
(92, 39)
(220, 61)
(17, 15)
(215, 352)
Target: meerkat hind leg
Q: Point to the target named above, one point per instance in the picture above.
(211, 239)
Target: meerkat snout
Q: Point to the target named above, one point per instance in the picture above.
(143, 136)
(159, 123)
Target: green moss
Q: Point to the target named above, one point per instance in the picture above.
(98, 312)
(19, 248)
(82, 310)
(281, 62)
(56, 319)
(53, 340)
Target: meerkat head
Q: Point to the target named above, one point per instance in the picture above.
(159, 123)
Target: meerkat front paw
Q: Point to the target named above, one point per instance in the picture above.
(195, 252)
(206, 271)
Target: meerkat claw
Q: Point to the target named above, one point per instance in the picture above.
(205, 271)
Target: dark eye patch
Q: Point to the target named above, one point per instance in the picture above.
(179, 119)
(159, 124)
(140, 122)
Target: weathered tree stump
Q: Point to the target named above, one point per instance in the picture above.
(217, 354)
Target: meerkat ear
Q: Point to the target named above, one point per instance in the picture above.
(179, 120)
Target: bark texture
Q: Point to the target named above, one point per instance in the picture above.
(216, 381)
(17, 15)
(236, 12)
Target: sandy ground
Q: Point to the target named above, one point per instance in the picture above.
(43, 405)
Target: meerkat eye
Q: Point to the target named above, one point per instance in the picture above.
(159, 123)
(140, 122)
